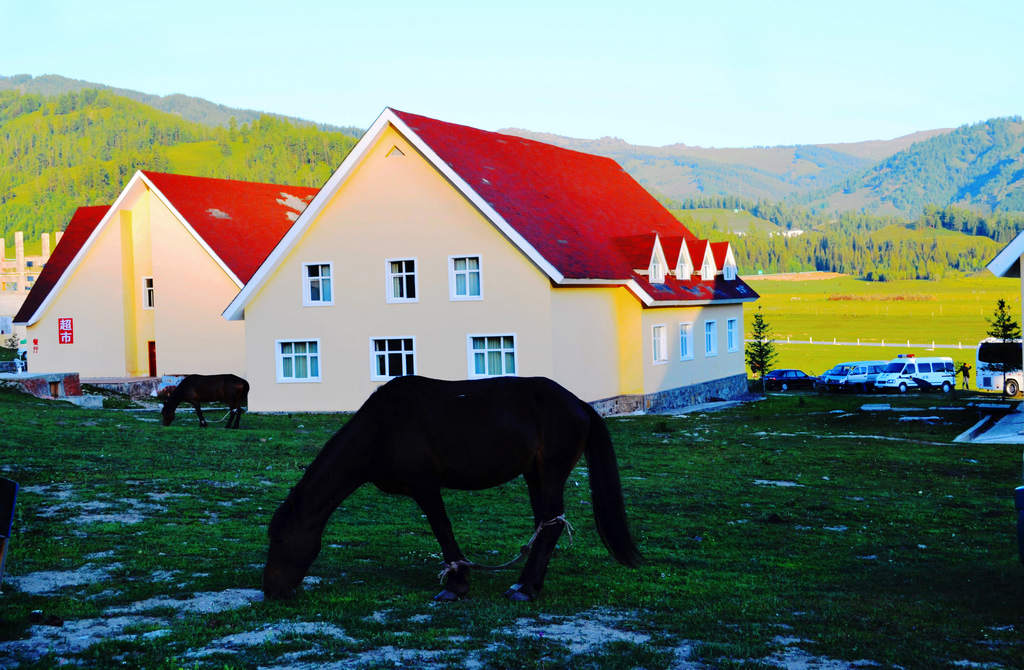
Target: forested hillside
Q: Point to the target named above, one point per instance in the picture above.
(979, 166)
(772, 237)
(81, 148)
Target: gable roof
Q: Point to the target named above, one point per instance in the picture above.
(78, 230)
(1007, 261)
(236, 222)
(580, 218)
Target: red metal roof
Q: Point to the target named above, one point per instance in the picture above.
(79, 228)
(583, 213)
(241, 221)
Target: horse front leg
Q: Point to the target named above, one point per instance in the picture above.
(547, 499)
(456, 570)
(199, 414)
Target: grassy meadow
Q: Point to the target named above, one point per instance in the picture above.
(795, 530)
(844, 309)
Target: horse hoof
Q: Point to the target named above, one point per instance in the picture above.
(447, 596)
(516, 594)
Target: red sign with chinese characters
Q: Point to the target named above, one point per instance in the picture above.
(66, 330)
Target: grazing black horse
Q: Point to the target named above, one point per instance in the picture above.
(415, 436)
(194, 389)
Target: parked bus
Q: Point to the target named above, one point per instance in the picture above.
(999, 366)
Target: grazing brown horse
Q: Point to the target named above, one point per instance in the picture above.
(194, 389)
(415, 436)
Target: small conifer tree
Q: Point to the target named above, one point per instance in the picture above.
(760, 351)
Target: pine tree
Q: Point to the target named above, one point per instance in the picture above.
(760, 351)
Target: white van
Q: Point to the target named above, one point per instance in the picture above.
(862, 375)
(908, 371)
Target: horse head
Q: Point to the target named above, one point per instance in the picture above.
(167, 414)
(292, 550)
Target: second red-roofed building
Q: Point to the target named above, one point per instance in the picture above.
(137, 289)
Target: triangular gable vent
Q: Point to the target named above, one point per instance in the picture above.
(394, 151)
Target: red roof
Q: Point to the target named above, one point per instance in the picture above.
(241, 221)
(79, 228)
(583, 213)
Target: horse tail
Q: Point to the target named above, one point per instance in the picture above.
(606, 493)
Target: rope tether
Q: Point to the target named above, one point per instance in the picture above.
(523, 551)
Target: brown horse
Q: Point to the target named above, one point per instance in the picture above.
(415, 436)
(194, 389)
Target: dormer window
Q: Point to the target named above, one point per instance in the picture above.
(658, 266)
(707, 269)
(657, 271)
(729, 272)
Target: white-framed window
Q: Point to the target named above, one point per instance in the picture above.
(298, 360)
(492, 355)
(465, 280)
(659, 344)
(317, 284)
(729, 272)
(392, 357)
(732, 339)
(710, 338)
(401, 276)
(685, 341)
(148, 293)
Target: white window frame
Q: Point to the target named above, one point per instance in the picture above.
(389, 279)
(686, 341)
(148, 293)
(710, 338)
(307, 299)
(374, 374)
(471, 364)
(453, 274)
(659, 344)
(279, 362)
(732, 334)
(729, 272)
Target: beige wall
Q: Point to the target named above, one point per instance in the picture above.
(675, 372)
(393, 207)
(596, 340)
(104, 297)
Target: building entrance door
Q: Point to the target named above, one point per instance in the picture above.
(152, 358)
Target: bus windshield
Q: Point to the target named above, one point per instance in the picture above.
(894, 367)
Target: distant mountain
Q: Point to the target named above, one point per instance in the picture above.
(978, 167)
(187, 107)
(681, 172)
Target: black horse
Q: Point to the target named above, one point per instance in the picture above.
(415, 436)
(194, 389)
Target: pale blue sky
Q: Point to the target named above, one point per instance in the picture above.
(719, 73)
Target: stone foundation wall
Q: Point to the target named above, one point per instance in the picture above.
(726, 388)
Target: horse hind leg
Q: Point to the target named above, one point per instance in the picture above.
(455, 574)
(547, 499)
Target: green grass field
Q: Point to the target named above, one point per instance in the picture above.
(947, 312)
(798, 529)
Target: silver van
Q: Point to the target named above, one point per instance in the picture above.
(862, 376)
